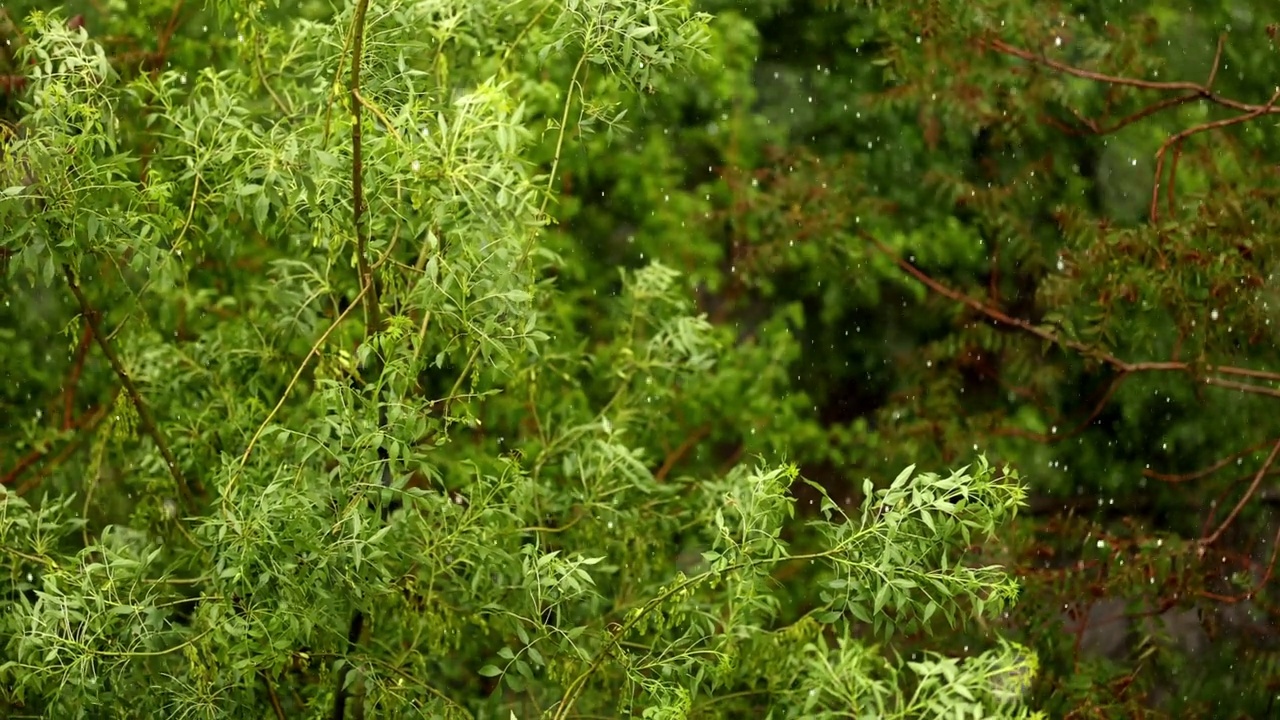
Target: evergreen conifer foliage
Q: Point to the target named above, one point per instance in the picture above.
(309, 422)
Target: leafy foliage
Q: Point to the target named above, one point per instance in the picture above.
(346, 423)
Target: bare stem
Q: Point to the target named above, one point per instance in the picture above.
(189, 490)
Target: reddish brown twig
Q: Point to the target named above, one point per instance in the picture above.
(23, 463)
(1203, 92)
(1178, 138)
(1203, 472)
(1098, 407)
(1246, 372)
(11, 27)
(1190, 92)
(1216, 503)
(1242, 387)
(85, 424)
(1244, 500)
(1123, 366)
(683, 449)
(69, 392)
(1253, 590)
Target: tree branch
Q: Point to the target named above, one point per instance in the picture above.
(1203, 472)
(1176, 141)
(372, 303)
(1244, 500)
(1123, 366)
(86, 424)
(674, 457)
(188, 490)
(1191, 91)
(77, 366)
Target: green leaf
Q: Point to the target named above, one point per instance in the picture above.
(882, 597)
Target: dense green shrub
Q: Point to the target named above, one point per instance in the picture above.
(314, 412)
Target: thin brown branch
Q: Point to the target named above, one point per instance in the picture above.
(993, 281)
(1171, 186)
(1252, 591)
(23, 463)
(1200, 91)
(992, 313)
(1146, 112)
(145, 59)
(1178, 138)
(86, 424)
(271, 695)
(1098, 407)
(189, 490)
(1245, 372)
(1242, 387)
(732, 459)
(11, 27)
(1217, 61)
(1244, 500)
(1206, 471)
(675, 456)
(371, 303)
(162, 46)
(1122, 366)
(1217, 502)
(1190, 91)
(77, 366)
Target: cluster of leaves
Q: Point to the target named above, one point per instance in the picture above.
(343, 424)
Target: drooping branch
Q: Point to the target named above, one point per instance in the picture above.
(86, 425)
(1080, 427)
(189, 490)
(1125, 370)
(1253, 590)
